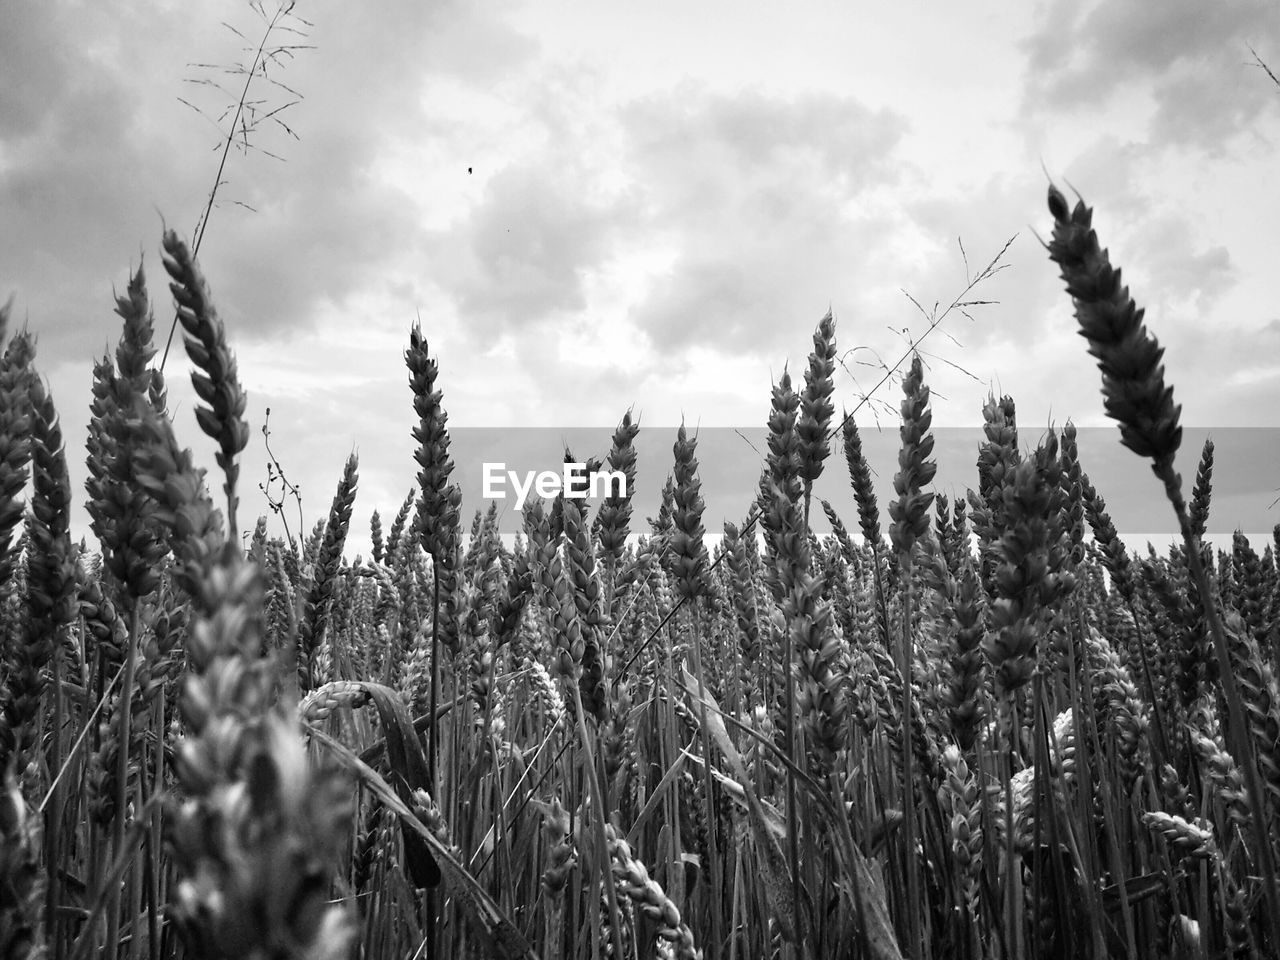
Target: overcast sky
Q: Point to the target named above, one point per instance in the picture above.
(597, 206)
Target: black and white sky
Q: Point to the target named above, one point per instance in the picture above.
(600, 206)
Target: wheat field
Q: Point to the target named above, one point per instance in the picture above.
(987, 730)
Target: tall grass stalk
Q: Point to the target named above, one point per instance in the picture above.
(244, 117)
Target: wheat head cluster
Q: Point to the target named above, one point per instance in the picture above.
(985, 729)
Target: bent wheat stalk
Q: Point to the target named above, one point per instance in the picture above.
(1136, 397)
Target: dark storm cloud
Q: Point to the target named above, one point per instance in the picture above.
(764, 202)
(1193, 56)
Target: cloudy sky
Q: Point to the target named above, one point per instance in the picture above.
(603, 206)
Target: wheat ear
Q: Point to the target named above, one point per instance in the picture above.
(215, 378)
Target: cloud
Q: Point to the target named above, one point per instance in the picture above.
(1224, 374)
(768, 207)
(1024, 288)
(331, 222)
(29, 49)
(84, 169)
(1191, 58)
(691, 218)
(1168, 244)
(522, 255)
(1186, 281)
(96, 149)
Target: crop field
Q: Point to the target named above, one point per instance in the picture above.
(984, 729)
